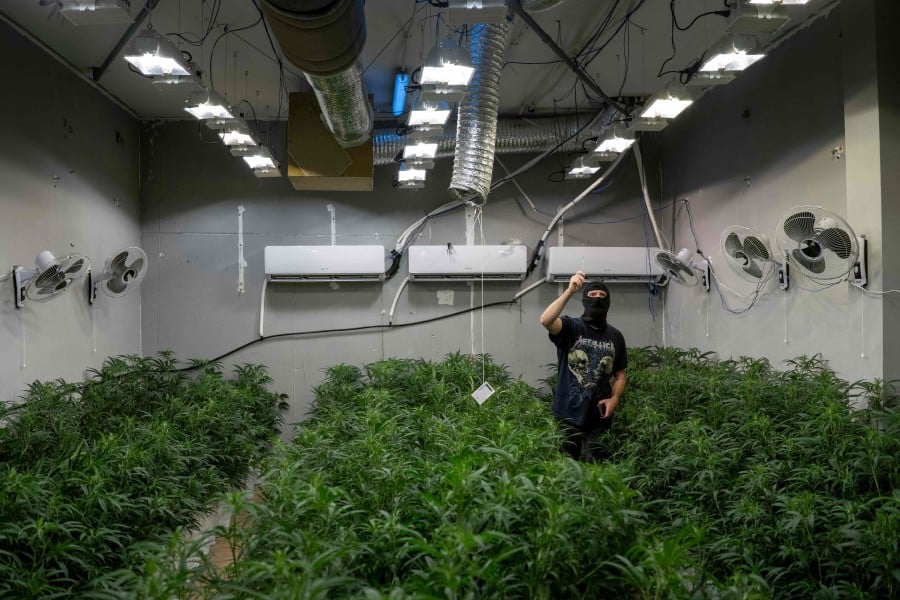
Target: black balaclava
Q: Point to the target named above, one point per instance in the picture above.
(595, 309)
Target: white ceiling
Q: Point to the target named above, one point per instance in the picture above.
(243, 66)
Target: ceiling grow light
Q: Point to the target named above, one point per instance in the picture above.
(208, 105)
(446, 73)
(785, 2)
(155, 56)
(667, 104)
(447, 64)
(237, 137)
(474, 12)
(731, 54)
(616, 141)
(581, 169)
(429, 114)
(256, 157)
(95, 12)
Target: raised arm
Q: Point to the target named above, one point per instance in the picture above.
(550, 317)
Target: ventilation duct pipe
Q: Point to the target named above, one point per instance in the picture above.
(476, 125)
(514, 136)
(533, 6)
(323, 38)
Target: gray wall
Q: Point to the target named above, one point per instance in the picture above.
(744, 154)
(190, 200)
(69, 167)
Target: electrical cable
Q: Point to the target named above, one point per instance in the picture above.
(201, 364)
(416, 8)
(692, 69)
(876, 293)
(539, 247)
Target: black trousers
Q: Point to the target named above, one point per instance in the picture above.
(581, 443)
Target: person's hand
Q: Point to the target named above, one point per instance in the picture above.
(576, 282)
(607, 407)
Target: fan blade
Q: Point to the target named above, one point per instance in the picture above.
(752, 269)
(117, 286)
(837, 240)
(733, 244)
(136, 267)
(75, 266)
(754, 247)
(117, 264)
(811, 264)
(799, 226)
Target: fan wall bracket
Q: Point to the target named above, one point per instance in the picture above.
(91, 287)
(859, 274)
(784, 280)
(705, 273)
(21, 277)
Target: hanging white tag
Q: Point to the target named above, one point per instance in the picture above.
(483, 392)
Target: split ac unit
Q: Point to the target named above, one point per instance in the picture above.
(614, 264)
(324, 263)
(467, 263)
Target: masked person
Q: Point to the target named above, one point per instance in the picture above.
(591, 365)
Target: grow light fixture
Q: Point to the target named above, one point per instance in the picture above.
(710, 79)
(237, 137)
(95, 12)
(256, 157)
(757, 18)
(581, 169)
(473, 12)
(667, 104)
(731, 54)
(785, 2)
(429, 114)
(155, 56)
(208, 105)
(410, 177)
(420, 149)
(617, 141)
(446, 73)
(447, 65)
(266, 172)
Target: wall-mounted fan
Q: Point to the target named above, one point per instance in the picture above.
(680, 269)
(122, 273)
(50, 277)
(748, 252)
(817, 242)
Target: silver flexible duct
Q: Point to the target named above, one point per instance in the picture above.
(514, 136)
(345, 105)
(324, 38)
(539, 5)
(476, 126)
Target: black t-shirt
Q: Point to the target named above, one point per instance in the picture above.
(586, 360)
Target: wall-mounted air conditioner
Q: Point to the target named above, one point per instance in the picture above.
(614, 264)
(467, 263)
(324, 263)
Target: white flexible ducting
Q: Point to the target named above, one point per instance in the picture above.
(476, 125)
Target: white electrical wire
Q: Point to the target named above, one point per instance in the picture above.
(643, 176)
(397, 299)
(479, 217)
(873, 293)
(262, 306)
(521, 293)
(786, 338)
